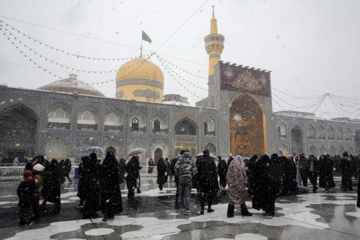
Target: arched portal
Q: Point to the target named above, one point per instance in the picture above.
(357, 141)
(18, 132)
(158, 155)
(297, 145)
(247, 126)
(115, 147)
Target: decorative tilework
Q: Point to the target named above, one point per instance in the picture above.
(91, 138)
(66, 138)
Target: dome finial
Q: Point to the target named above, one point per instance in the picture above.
(213, 11)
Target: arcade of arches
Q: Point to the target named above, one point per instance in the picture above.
(18, 132)
(246, 126)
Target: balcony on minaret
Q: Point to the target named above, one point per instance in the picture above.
(214, 44)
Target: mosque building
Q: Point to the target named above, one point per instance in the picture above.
(62, 119)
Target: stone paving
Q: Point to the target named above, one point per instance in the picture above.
(305, 216)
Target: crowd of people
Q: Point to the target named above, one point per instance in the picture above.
(262, 177)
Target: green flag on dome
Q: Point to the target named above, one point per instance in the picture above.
(145, 37)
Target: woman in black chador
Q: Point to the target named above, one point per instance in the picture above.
(51, 190)
(133, 175)
(81, 185)
(265, 186)
(67, 165)
(91, 188)
(326, 179)
(162, 173)
(222, 170)
(111, 202)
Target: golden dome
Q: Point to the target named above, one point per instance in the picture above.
(140, 79)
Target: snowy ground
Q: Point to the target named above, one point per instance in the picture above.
(306, 216)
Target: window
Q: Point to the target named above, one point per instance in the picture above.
(111, 118)
(282, 131)
(347, 134)
(59, 117)
(340, 135)
(321, 131)
(209, 127)
(331, 133)
(87, 116)
(135, 124)
(60, 113)
(185, 127)
(156, 126)
(311, 132)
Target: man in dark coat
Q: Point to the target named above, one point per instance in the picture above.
(346, 172)
(313, 171)
(162, 175)
(207, 180)
(111, 201)
(222, 170)
(325, 173)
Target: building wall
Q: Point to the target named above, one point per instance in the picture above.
(304, 123)
(39, 102)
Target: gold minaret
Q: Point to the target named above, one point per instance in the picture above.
(214, 44)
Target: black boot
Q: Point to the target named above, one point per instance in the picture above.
(244, 210)
(230, 211)
(209, 210)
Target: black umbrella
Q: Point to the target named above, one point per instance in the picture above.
(136, 151)
(95, 149)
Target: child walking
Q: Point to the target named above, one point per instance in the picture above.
(26, 192)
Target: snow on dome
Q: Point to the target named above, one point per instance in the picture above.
(72, 85)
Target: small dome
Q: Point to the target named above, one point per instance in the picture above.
(71, 85)
(140, 79)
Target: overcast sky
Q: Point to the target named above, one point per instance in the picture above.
(311, 46)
